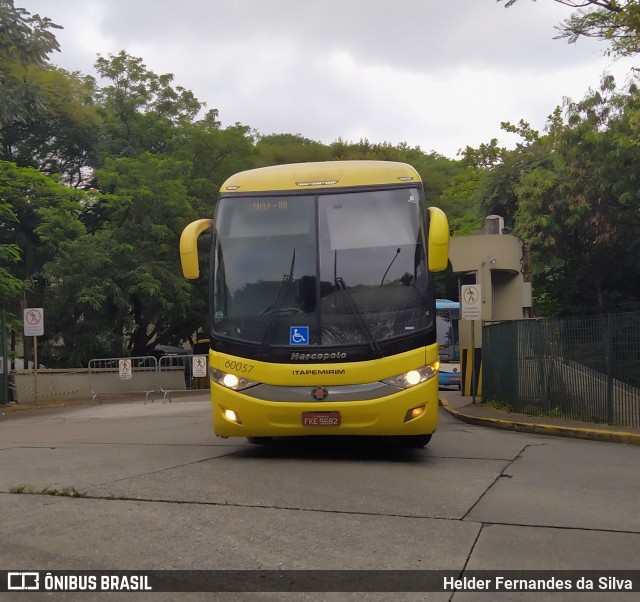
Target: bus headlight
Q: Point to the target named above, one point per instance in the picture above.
(414, 377)
(230, 381)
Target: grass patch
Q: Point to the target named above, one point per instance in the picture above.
(497, 405)
(60, 492)
(566, 415)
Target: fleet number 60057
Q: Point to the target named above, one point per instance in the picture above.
(238, 366)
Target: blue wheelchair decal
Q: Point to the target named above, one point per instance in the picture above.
(298, 335)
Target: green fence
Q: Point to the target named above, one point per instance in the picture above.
(583, 368)
(4, 359)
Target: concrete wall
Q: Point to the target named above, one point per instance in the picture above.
(499, 252)
(494, 262)
(31, 387)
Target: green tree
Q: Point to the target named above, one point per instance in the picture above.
(147, 207)
(461, 201)
(61, 139)
(614, 21)
(118, 290)
(37, 212)
(496, 171)
(10, 286)
(579, 210)
(215, 153)
(29, 197)
(364, 149)
(140, 109)
(25, 41)
(278, 149)
(86, 303)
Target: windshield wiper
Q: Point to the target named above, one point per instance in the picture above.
(276, 308)
(394, 258)
(353, 308)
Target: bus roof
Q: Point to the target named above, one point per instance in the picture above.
(324, 174)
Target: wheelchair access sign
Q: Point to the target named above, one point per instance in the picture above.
(298, 335)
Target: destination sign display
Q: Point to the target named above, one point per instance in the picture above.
(268, 205)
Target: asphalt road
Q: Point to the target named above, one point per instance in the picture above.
(159, 491)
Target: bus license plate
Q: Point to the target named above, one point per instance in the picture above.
(320, 418)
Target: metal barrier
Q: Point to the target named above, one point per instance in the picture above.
(585, 368)
(145, 374)
(178, 373)
(123, 375)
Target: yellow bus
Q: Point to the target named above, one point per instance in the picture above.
(323, 318)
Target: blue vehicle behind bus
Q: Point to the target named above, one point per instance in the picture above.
(447, 316)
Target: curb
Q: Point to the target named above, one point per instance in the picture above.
(545, 429)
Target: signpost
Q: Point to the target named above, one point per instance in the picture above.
(471, 309)
(33, 318)
(470, 302)
(199, 366)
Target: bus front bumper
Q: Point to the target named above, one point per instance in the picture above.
(412, 411)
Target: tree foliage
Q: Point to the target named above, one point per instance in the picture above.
(584, 206)
(28, 199)
(616, 22)
(10, 285)
(25, 42)
(98, 180)
(141, 110)
(60, 140)
(572, 196)
(145, 210)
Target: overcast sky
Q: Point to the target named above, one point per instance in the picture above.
(439, 74)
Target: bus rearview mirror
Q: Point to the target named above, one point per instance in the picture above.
(438, 240)
(189, 247)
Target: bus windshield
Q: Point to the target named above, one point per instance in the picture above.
(325, 270)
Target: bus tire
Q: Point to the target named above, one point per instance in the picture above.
(414, 441)
(259, 440)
